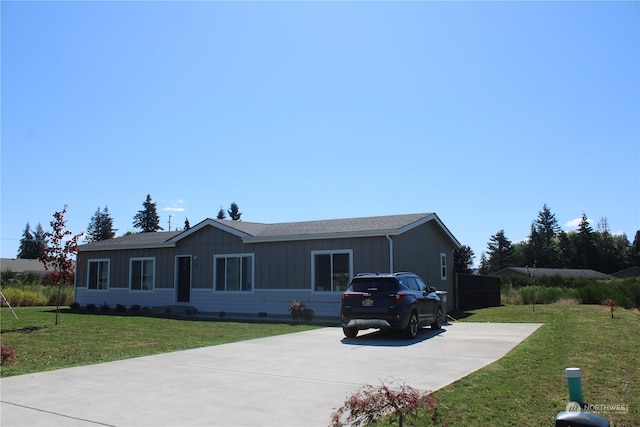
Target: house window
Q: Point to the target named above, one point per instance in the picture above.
(233, 273)
(331, 270)
(98, 278)
(443, 266)
(143, 274)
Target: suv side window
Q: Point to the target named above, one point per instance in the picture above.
(411, 283)
(421, 285)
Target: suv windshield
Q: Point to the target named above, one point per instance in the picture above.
(375, 285)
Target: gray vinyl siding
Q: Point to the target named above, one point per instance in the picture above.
(418, 250)
(287, 265)
(282, 269)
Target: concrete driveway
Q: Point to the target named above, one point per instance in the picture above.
(288, 380)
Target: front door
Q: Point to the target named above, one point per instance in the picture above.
(183, 264)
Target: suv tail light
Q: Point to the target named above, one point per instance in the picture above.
(399, 298)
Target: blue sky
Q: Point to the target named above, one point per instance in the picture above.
(479, 111)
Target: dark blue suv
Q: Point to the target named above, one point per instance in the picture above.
(399, 301)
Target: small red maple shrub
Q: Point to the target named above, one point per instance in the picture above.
(370, 403)
(8, 356)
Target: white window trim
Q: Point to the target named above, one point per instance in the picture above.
(253, 273)
(153, 284)
(329, 252)
(97, 260)
(443, 266)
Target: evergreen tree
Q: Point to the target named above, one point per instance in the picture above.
(234, 212)
(29, 247)
(100, 226)
(186, 224)
(566, 250)
(500, 252)
(463, 260)
(585, 245)
(542, 248)
(147, 220)
(221, 213)
(40, 236)
(634, 250)
(484, 264)
(519, 255)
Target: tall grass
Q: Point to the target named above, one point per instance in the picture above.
(29, 290)
(548, 290)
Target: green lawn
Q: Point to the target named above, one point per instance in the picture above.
(527, 387)
(82, 339)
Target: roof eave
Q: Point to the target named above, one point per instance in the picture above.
(131, 246)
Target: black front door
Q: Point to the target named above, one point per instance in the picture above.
(184, 278)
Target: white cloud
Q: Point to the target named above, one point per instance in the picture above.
(575, 223)
(177, 206)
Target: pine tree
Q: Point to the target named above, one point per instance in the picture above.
(484, 264)
(634, 250)
(186, 224)
(234, 212)
(566, 250)
(542, 248)
(585, 244)
(147, 220)
(29, 247)
(221, 213)
(40, 237)
(100, 226)
(500, 252)
(463, 259)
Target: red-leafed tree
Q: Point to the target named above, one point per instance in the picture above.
(57, 254)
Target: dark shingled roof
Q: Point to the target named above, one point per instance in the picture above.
(254, 231)
(132, 240)
(329, 226)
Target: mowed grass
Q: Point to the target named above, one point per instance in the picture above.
(82, 339)
(528, 387)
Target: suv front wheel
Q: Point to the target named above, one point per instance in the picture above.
(437, 325)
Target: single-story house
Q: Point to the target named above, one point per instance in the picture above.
(238, 267)
(22, 265)
(576, 273)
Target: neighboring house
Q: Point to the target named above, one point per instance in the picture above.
(575, 273)
(239, 267)
(21, 265)
(627, 273)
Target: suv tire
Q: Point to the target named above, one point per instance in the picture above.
(350, 332)
(411, 331)
(437, 325)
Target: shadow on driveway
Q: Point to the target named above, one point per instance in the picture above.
(391, 338)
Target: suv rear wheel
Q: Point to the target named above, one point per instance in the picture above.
(411, 331)
(350, 332)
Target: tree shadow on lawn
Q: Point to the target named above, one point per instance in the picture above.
(392, 338)
(198, 317)
(25, 330)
